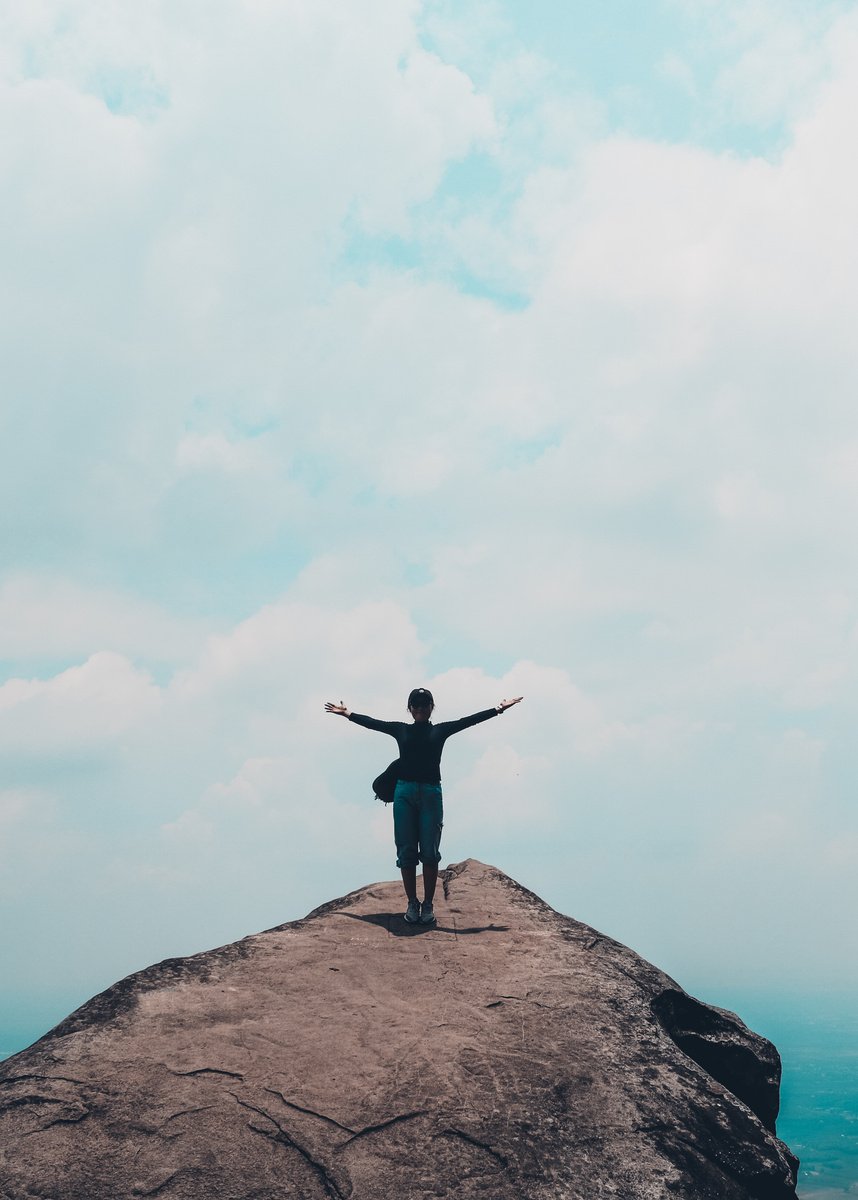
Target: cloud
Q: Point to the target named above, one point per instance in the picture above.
(49, 617)
(184, 282)
(215, 451)
(287, 646)
(777, 54)
(83, 708)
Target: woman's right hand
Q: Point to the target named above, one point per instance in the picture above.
(339, 710)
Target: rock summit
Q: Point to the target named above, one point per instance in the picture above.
(509, 1053)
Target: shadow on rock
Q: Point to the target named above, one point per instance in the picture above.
(395, 924)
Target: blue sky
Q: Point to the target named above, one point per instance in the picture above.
(498, 348)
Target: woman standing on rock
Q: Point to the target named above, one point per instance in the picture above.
(418, 812)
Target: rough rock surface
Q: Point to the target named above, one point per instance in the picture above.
(511, 1052)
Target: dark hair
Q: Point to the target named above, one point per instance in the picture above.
(420, 698)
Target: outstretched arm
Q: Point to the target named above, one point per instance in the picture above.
(340, 710)
(450, 727)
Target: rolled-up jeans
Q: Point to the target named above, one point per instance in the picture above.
(418, 818)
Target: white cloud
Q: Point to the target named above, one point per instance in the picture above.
(505, 791)
(778, 53)
(287, 647)
(189, 240)
(46, 616)
(85, 707)
(217, 451)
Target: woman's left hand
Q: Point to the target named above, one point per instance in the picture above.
(505, 704)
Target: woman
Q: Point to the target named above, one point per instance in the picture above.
(418, 812)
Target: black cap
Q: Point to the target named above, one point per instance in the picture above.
(420, 696)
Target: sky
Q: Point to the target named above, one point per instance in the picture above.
(494, 347)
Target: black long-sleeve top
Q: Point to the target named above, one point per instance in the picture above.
(420, 744)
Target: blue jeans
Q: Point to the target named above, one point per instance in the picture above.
(418, 817)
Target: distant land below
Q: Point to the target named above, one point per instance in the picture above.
(817, 1038)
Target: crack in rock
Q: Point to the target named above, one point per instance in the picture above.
(21, 1100)
(208, 1071)
(472, 1141)
(383, 1125)
(285, 1138)
(59, 1121)
(310, 1112)
(165, 1183)
(184, 1112)
(48, 1078)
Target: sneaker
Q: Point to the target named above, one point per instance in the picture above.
(427, 913)
(412, 913)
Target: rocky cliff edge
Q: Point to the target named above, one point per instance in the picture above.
(510, 1052)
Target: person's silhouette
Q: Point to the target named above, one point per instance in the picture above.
(418, 810)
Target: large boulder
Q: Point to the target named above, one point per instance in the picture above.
(510, 1052)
